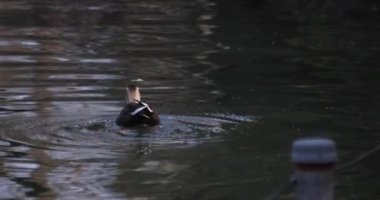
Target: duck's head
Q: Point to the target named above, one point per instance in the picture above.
(136, 112)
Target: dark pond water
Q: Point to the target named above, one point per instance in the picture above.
(234, 82)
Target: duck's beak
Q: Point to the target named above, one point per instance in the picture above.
(133, 93)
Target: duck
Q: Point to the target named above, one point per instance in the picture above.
(136, 112)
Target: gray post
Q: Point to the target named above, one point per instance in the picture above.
(315, 160)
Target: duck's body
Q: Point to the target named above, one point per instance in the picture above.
(136, 112)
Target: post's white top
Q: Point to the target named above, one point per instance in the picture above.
(314, 151)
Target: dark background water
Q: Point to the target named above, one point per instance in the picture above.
(234, 81)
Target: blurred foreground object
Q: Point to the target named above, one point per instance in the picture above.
(315, 160)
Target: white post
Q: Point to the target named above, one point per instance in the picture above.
(315, 160)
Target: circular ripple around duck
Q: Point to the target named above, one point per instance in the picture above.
(175, 129)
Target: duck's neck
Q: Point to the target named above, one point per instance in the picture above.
(133, 93)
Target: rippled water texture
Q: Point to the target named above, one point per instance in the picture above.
(234, 83)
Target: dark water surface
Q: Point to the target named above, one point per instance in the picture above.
(235, 83)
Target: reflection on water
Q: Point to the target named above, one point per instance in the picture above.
(208, 67)
(64, 46)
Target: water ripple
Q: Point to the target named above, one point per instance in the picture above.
(90, 134)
